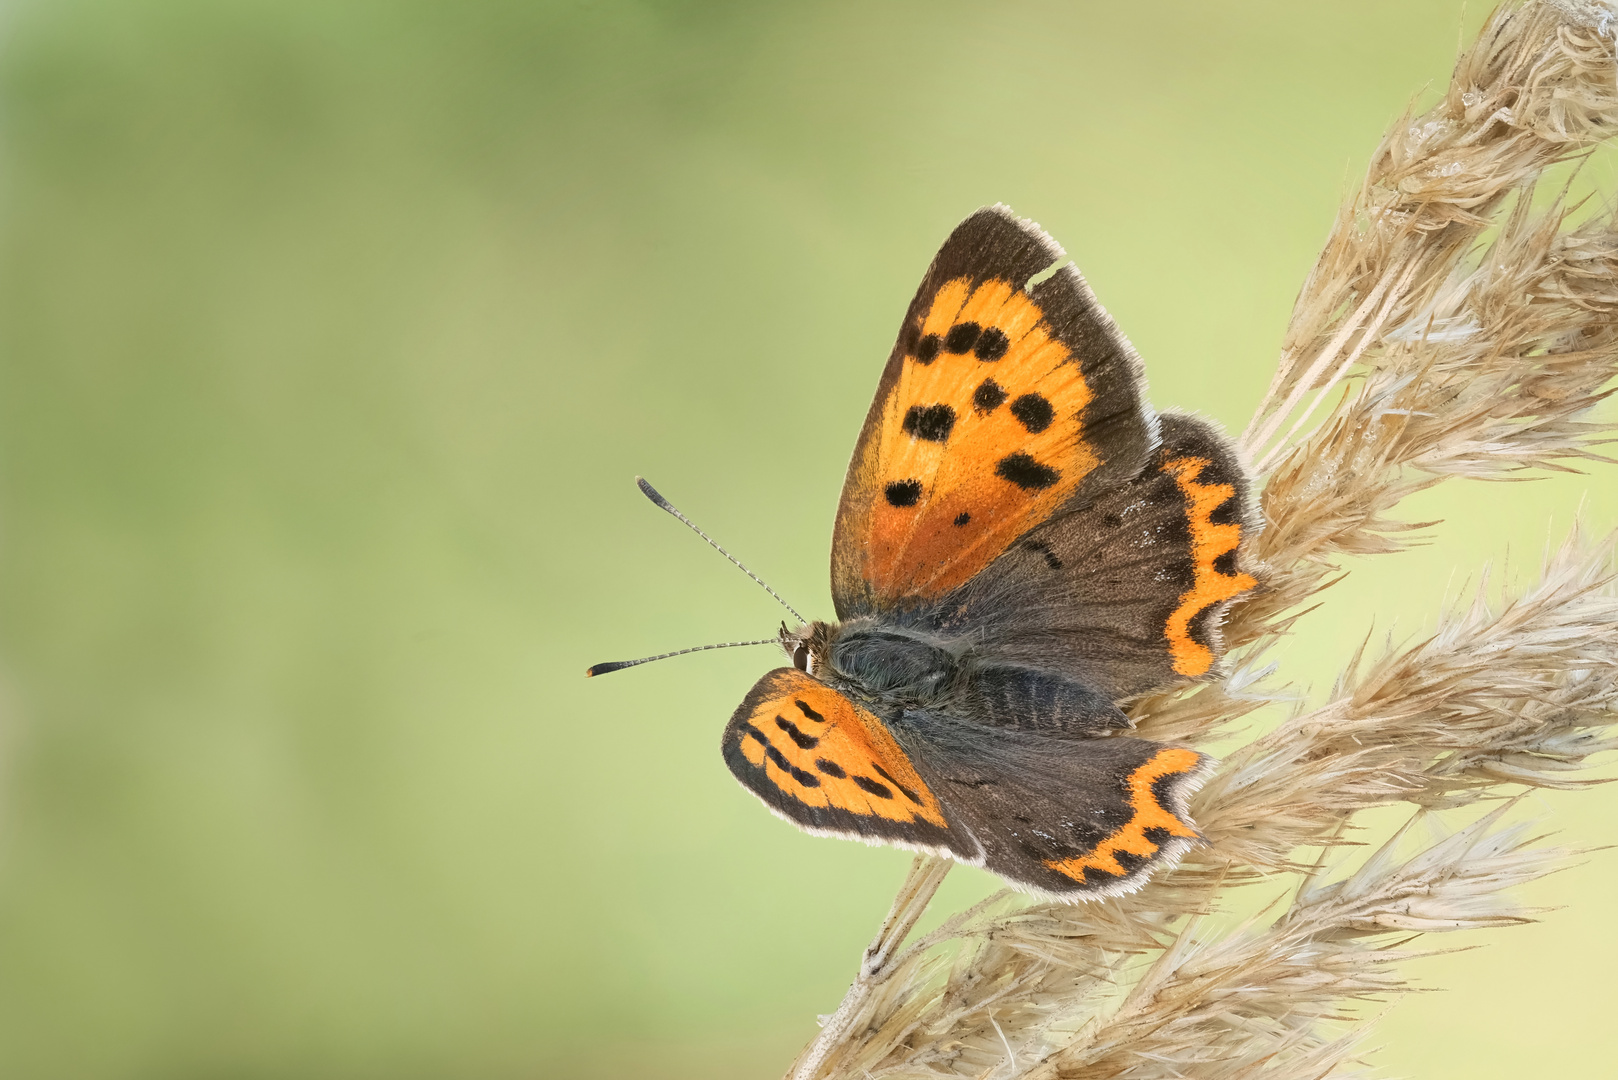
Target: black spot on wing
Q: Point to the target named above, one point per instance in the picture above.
(1202, 625)
(992, 345)
(927, 349)
(1042, 548)
(911, 795)
(1033, 412)
(963, 518)
(988, 397)
(1022, 470)
(962, 337)
(779, 760)
(805, 742)
(904, 492)
(1227, 512)
(1130, 861)
(930, 422)
(881, 791)
(1094, 875)
(803, 707)
(830, 768)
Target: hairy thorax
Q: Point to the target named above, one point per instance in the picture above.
(883, 665)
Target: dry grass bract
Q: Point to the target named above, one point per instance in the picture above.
(1449, 329)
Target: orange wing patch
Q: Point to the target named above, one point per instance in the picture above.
(980, 439)
(1209, 542)
(1149, 815)
(822, 750)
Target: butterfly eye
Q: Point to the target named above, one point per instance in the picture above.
(800, 657)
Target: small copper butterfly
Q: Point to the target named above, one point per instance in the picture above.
(1021, 544)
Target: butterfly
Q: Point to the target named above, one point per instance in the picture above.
(1021, 544)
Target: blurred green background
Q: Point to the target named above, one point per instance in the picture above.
(332, 337)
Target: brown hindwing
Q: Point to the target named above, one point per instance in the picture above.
(1127, 593)
(1061, 816)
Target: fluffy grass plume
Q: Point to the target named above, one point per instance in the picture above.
(1449, 329)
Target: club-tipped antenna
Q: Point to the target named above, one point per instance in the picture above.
(663, 504)
(618, 665)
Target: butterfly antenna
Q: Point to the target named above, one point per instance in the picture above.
(618, 665)
(663, 504)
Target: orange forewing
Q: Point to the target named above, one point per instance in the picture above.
(1209, 540)
(1013, 446)
(821, 750)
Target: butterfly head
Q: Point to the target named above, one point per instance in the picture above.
(809, 646)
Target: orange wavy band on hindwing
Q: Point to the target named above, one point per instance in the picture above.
(1149, 814)
(981, 439)
(1209, 541)
(822, 750)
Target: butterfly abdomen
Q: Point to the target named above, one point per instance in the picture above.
(1005, 695)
